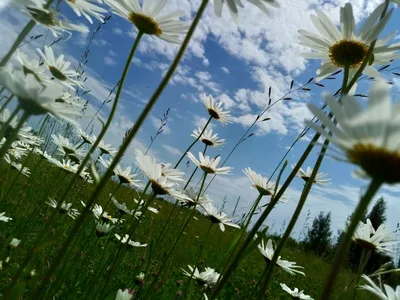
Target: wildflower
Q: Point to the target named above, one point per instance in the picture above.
(24, 170)
(147, 18)
(123, 295)
(99, 213)
(32, 66)
(87, 9)
(260, 183)
(171, 174)
(209, 165)
(296, 294)
(67, 99)
(59, 68)
(123, 209)
(129, 242)
(65, 208)
(388, 294)
(305, 175)
(215, 110)
(65, 147)
(140, 278)
(3, 217)
(233, 6)
(207, 137)
(367, 137)
(87, 138)
(338, 49)
(208, 278)
(193, 198)
(381, 240)
(14, 243)
(33, 98)
(219, 218)
(268, 252)
(103, 228)
(106, 148)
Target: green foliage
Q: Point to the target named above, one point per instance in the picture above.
(318, 236)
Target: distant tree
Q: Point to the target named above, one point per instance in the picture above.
(377, 215)
(318, 236)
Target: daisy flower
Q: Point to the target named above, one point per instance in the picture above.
(193, 198)
(99, 213)
(124, 175)
(54, 22)
(215, 110)
(209, 165)
(87, 9)
(381, 240)
(171, 174)
(305, 175)
(32, 66)
(345, 47)
(107, 148)
(219, 218)
(367, 137)
(24, 170)
(68, 99)
(234, 4)
(207, 137)
(208, 278)
(103, 228)
(148, 20)
(123, 209)
(33, 98)
(60, 69)
(259, 182)
(129, 242)
(43, 154)
(388, 294)
(3, 217)
(295, 294)
(268, 252)
(65, 208)
(87, 138)
(123, 295)
(65, 147)
(14, 243)
(16, 151)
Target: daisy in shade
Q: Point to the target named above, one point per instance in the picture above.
(305, 175)
(24, 170)
(219, 218)
(208, 278)
(123, 209)
(87, 9)
(215, 110)
(33, 98)
(43, 154)
(345, 47)
(207, 137)
(141, 203)
(148, 20)
(129, 242)
(87, 138)
(68, 99)
(234, 4)
(381, 240)
(4, 218)
(268, 252)
(65, 147)
(259, 182)
(56, 23)
(160, 184)
(295, 294)
(209, 165)
(107, 148)
(365, 136)
(32, 66)
(65, 208)
(14, 243)
(60, 69)
(103, 228)
(388, 294)
(124, 295)
(193, 198)
(124, 175)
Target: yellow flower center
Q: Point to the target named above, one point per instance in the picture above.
(365, 244)
(57, 73)
(377, 162)
(145, 24)
(213, 114)
(348, 52)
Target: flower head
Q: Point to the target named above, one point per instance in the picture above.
(208, 278)
(148, 20)
(65, 208)
(215, 110)
(107, 148)
(234, 4)
(124, 295)
(24, 170)
(259, 182)
(65, 147)
(87, 138)
(296, 294)
(305, 175)
(207, 137)
(3, 217)
(124, 175)
(268, 252)
(209, 165)
(172, 174)
(102, 228)
(367, 137)
(14, 243)
(193, 198)
(381, 240)
(219, 218)
(388, 294)
(87, 9)
(126, 240)
(338, 49)
(32, 66)
(123, 209)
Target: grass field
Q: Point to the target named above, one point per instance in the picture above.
(24, 200)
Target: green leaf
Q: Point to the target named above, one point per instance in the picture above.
(18, 291)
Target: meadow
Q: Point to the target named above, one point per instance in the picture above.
(83, 219)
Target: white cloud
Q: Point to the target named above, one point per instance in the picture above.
(199, 121)
(109, 61)
(117, 31)
(112, 53)
(206, 62)
(225, 70)
(172, 150)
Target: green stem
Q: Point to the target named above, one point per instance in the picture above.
(253, 209)
(361, 265)
(293, 220)
(340, 254)
(14, 134)
(194, 142)
(3, 107)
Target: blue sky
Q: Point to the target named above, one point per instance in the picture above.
(235, 64)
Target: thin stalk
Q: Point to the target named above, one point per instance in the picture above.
(293, 220)
(194, 142)
(6, 125)
(10, 139)
(340, 254)
(361, 265)
(253, 209)
(194, 171)
(3, 107)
